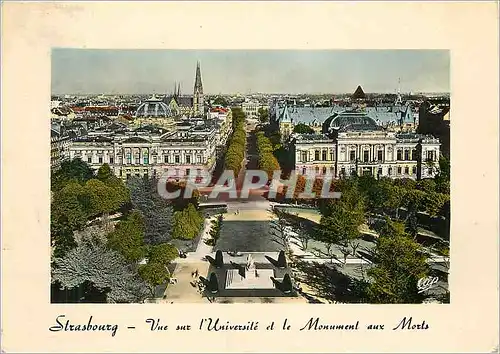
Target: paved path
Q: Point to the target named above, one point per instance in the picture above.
(256, 208)
(185, 290)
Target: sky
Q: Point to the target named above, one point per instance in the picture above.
(94, 71)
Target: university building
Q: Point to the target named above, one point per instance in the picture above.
(352, 142)
(151, 152)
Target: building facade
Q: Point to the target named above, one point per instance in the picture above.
(352, 143)
(251, 109)
(434, 118)
(223, 119)
(149, 153)
(60, 143)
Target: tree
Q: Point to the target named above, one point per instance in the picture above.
(340, 227)
(427, 185)
(128, 238)
(216, 226)
(104, 173)
(304, 236)
(394, 197)
(122, 192)
(182, 202)
(156, 211)
(236, 148)
(163, 254)
(103, 199)
(220, 101)
(187, 223)
(156, 271)
(71, 205)
(68, 212)
(352, 200)
(375, 191)
(105, 269)
(71, 171)
(267, 160)
(443, 176)
(433, 202)
(263, 114)
(302, 128)
(154, 274)
(399, 264)
(406, 183)
(414, 200)
(282, 224)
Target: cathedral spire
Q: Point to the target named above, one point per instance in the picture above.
(399, 99)
(198, 99)
(198, 85)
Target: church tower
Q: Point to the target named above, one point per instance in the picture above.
(198, 100)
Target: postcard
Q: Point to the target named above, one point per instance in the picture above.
(250, 177)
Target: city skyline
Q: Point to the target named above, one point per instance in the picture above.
(103, 71)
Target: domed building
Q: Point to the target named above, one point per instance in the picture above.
(349, 121)
(353, 143)
(153, 108)
(154, 112)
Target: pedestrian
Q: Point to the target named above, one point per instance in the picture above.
(196, 273)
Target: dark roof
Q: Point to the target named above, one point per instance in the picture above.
(61, 111)
(115, 126)
(185, 101)
(311, 137)
(150, 129)
(349, 120)
(180, 100)
(72, 134)
(362, 127)
(358, 94)
(94, 139)
(135, 139)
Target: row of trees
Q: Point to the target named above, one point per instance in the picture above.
(267, 160)
(128, 258)
(236, 148)
(93, 256)
(398, 260)
(282, 154)
(80, 197)
(313, 185)
(382, 196)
